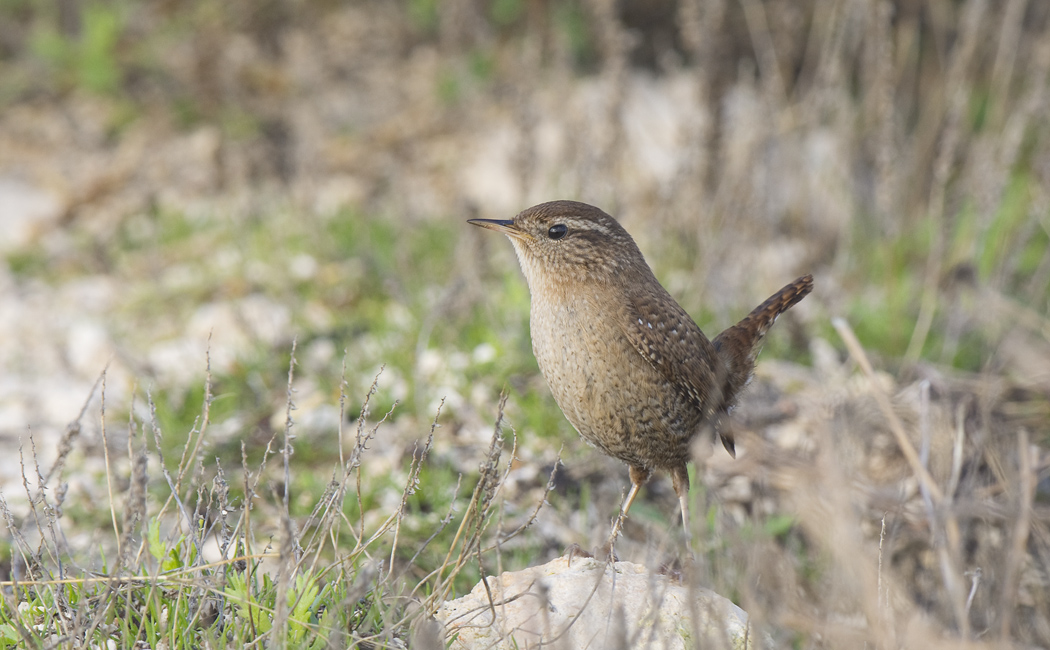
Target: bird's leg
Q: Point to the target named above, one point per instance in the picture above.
(680, 481)
(639, 476)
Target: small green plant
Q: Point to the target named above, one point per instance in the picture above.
(88, 60)
(506, 12)
(572, 22)
(27, 261)
(339, 570)
(424, 14)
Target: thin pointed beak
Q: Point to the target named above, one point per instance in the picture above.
(506, 227)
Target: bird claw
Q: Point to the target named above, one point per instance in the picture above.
(575, 549)
(607, 551)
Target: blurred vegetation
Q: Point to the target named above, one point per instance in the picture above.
(924, 123)
(928, 226)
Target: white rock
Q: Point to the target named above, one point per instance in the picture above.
(26, 212)
(484, 353)
(267, 319)
(303, 266)
(88, 347)
(592, 604)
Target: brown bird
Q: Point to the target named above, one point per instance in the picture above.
(627, 365)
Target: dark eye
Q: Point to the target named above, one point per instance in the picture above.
(557, 231)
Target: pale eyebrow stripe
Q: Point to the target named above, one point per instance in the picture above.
(588, 225)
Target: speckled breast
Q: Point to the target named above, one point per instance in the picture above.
(607, 390)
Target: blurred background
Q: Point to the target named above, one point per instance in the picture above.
(186, 186)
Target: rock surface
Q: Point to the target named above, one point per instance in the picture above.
(592, 604)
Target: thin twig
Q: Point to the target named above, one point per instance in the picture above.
(1018, 550)
(109, 469)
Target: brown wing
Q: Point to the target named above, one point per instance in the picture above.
(666, 336)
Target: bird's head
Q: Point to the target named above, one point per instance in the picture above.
(568, 241)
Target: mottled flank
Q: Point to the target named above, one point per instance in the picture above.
(627, 365)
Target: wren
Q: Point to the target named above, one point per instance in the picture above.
(629, 368)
